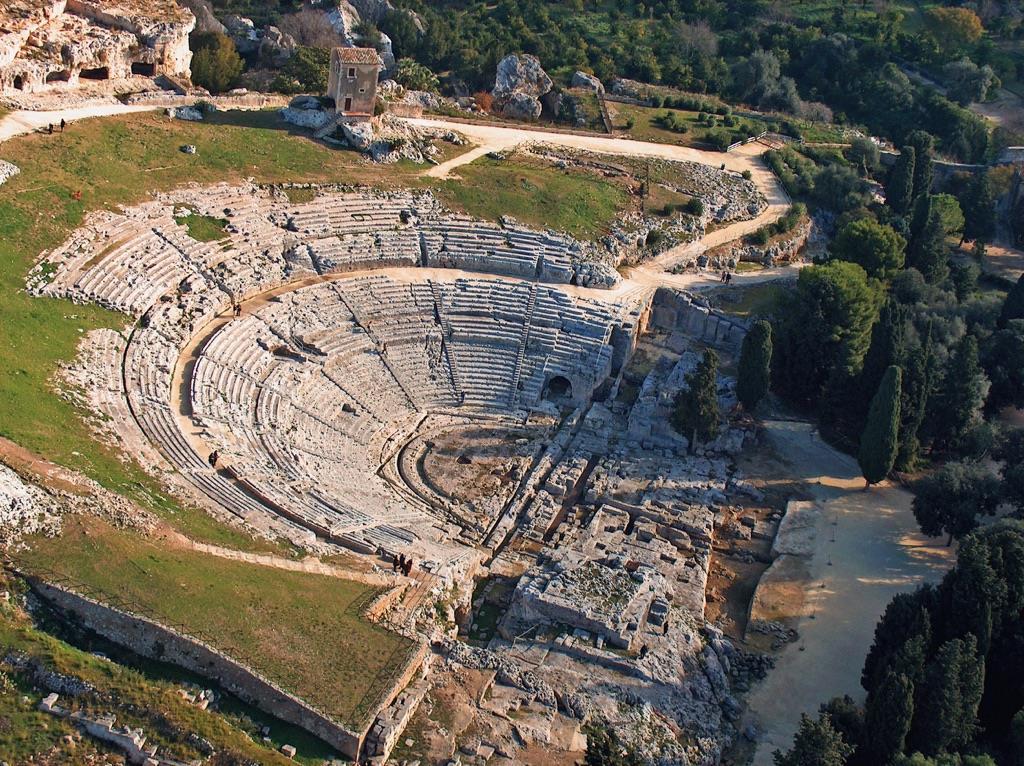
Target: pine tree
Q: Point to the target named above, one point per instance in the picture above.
(899, 192)
(962, 393)
(951, 500)
(816, 743)
(888, 715)
(755, 365)
(696, 407)
(1013, 306)
(878, 443)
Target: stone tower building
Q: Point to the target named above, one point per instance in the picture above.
(353, 82)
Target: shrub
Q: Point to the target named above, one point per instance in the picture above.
(216, 64)
(747, 175)
(307, 71)
(484, 101)
(695, 206)
(654, 238)
(414, 76)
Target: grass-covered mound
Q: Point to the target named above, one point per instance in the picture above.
(306, 632)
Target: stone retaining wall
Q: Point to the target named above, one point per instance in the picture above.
(675, 311)
(150, 639)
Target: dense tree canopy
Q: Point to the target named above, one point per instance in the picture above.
(826, 331)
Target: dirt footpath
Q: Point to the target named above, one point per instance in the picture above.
(877, 552)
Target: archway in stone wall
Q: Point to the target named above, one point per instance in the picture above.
(144, 69)
(19, 82)
(558, 388)
(98, 73)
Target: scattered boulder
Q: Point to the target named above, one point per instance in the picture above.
(588, 81)
(7, 171)
(311, 119)
(520, 106)
(188, 113)
(596, 274)
(206, 21)
(519, 84)
(189, 149)
(305, 102)
(359, 135)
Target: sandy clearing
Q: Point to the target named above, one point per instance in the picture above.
(876, 553)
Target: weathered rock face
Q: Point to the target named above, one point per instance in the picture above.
(206, 21)
(588, 81)
(519, 84)
(243, 33)
(276, 47)
(45, 43)
(521, 74)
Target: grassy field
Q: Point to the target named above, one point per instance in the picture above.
(753, 301)
(646, 126)
(305, 632)
(136, 699)
(535, 193)
(203, 228)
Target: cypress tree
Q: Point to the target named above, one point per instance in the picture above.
(878, 443)
(947, 704)
(917, 388)
(979, 206)
(888, 347)
(1013, 306)
(962, 393)
(817, 743)
(923, 170)
(696, 407)
(755, 365)
(888, 715)
(928, 251)
(901, 636)
(899, 191)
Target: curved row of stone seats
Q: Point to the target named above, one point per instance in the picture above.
(472, 245)
(134, 274)
(565, 339)
(363, 250)
(302, 435)
(337, 213)
(402, 320)
(485, 325)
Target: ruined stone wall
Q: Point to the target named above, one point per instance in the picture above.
(675, 311)
(149, 639)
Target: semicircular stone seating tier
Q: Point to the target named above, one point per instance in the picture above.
(307, 395)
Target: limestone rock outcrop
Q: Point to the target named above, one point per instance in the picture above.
(49, 43)
(588, 81)
(519, 84)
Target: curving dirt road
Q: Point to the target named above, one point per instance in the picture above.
(22, 122)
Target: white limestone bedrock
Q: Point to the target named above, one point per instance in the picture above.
(300, 397)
